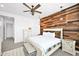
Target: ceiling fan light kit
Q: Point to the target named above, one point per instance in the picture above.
(32, 8)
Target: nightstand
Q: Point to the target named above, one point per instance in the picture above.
(69, 46)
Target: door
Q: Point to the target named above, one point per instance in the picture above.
(9, 28)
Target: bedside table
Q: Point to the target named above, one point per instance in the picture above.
(69, 46)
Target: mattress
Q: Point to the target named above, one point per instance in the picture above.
(44, 42)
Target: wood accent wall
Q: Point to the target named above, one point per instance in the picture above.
(68, 19)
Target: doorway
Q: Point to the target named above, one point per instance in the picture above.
(6, 32)
(7, 27)
(9, 31)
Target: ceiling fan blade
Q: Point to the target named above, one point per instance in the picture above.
(26, 5)
(37, 6)
(27, 11)
(38, 12)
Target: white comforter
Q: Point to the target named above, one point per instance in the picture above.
(44, 42)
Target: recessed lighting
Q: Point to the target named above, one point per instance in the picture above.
(2, 5)
(61, 6)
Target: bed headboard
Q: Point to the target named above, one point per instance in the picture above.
(55, 29)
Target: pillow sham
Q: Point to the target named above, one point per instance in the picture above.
(49, 34)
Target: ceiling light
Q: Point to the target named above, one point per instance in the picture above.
(61, 6)
(2, 5)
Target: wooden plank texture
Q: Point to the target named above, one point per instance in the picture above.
(68, 19)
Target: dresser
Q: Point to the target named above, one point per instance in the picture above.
(69, 46)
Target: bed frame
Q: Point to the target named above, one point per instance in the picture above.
(58, 45)
(40, 51)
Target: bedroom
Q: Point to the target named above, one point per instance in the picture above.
(22, 21)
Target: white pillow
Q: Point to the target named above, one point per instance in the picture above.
(49, 34)
(45, 33)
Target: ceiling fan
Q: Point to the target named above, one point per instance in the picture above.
(32, 8)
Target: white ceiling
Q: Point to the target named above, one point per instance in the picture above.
(46, 8)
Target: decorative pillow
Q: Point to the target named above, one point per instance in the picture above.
(49, 34)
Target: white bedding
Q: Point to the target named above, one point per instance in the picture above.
(44, 42)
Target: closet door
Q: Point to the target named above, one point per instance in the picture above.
(9, 28)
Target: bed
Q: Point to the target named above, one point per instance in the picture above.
(47, 43)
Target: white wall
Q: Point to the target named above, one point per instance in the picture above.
(22, 22)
